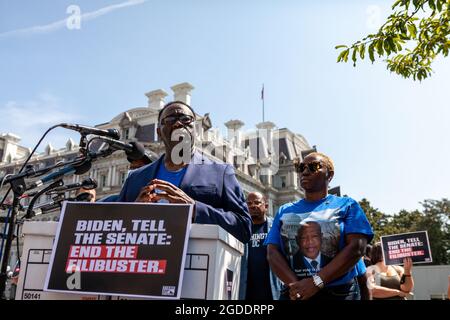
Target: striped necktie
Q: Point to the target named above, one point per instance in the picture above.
(314, 264)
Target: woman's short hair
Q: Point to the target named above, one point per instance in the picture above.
(376, 255)
(326, 159)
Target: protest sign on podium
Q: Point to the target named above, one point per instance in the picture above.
(211, 268)
(134, 249)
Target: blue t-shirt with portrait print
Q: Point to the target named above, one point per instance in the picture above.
(337, 217)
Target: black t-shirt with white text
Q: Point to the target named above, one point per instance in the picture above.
(258, 278)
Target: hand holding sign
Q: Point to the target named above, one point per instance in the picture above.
(407, 265)
(413, 245)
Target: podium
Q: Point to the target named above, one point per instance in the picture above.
(212, 267)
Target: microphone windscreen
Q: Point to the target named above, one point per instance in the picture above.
(114, 134)
(137, 153)
(89, 184)
(84, 197)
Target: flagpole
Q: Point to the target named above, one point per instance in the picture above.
(262, 96)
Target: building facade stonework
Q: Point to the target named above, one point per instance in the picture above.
(260, 166)
(262, 157)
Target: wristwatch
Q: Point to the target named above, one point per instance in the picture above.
(318, 282)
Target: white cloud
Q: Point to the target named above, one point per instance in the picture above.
(30, 119)
(62, 23)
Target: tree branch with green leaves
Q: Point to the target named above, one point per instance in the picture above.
(408, 43)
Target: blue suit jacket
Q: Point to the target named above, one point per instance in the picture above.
(218, 196)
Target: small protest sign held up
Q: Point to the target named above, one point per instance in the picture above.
(399, 246)
(127, 249)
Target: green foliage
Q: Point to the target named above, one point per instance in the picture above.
(434, 217)
(408, 43)
(378, 220)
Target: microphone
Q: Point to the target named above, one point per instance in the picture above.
(84, 197)
(112, 133)
(134, 150)
(67, 170)
(87, 184)
(47, 207)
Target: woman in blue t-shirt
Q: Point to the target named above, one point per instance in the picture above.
(315, 243)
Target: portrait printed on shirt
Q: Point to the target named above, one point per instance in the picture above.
(310, 240)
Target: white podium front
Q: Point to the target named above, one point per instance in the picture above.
(213, 262)
(212, 267)
(35, 259)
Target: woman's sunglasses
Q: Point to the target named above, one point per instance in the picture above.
(312, 166)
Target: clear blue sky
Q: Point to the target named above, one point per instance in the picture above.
(388, 136)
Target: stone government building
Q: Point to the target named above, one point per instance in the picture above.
(249, 151)
(260, 166)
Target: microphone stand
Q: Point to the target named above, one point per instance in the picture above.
(19, 187)
(55, 184)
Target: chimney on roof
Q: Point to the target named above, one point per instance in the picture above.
(156, 99)
(265, 131)
(234, 133)
(182, 92)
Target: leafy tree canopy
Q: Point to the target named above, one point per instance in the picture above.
(434, 218)
(410, 44)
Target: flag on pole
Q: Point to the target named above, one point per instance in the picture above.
(262, 98)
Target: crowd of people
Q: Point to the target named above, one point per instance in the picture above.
(316, 248)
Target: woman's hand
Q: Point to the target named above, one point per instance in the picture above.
(402, 294)
(303, 289)
(407, 266)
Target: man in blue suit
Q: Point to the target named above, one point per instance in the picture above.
(184, 176)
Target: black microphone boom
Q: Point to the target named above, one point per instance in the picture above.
(79, 169)
(112, 133)
(47, 207)
(87, 184)
(133, 150)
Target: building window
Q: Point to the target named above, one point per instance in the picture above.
(123, 176)
(126, 134)
(103, 180)
(264, 179)
(235, 162)
(283, 181)
(279, 182)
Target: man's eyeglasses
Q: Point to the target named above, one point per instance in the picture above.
(183, 118)
(312, 166)
(256, 203)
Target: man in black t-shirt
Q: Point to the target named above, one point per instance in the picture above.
(257, 281)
